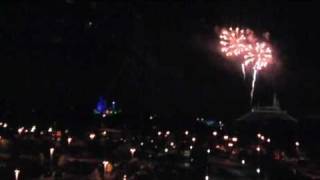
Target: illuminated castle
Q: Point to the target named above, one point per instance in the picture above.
(103, 110)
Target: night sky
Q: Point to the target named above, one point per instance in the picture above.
(57, 58)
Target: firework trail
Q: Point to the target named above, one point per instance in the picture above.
(260, 55)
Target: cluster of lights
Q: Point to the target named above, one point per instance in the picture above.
(3, 124)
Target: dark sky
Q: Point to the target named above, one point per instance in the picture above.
(57, 58)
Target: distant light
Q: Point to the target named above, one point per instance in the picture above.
(26, 130)
(69, 140)
(66, 131)
(33, 129)
(191, 147)
(258, 135)
(152, 141)
(104, 133)
(104, 115)
(217, 146)
(268, 140)
(141, 144)
(132, 151)
(168, 133)
(206, 177)
(172, 144)
(214, 133)
(202, 119)
(193, 139)
(297, 143)
(51, 151)
(258, 170)
(225, 137)
(50, 130)
(234, 139)
(124, 177)
(41, 132)
(105, 165)
(208, 151)
(165, 150)
(150, 117)
(92, 136)
(1, 123)
(258, 148)
(90, 23)
(197, 119)
(5, 125)
(159, 133)
(243, 162)
(20, 130)
(16, 173)
(230, 144)
(262, 138)
(186, 133)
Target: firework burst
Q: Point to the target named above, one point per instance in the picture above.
(233, 41)
(259, 55)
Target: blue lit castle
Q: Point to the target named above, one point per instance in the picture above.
(104, 110)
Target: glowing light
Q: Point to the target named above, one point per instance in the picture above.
(190, 147)
(107, 166)
(258, 170)
(214, 133)
(234, 139)
(168, 133)
(297, 143)
(193, 139)
(132, 151)
(124, 177)
(258, 148)
(33, 129)
(104, 133)
(51, 151)
(243, 162)
(206, 177)
(159, 133)
(20, 130)
(49, 129)
(258, 135)
(186, 133)
(230, 144)
(141, 144)
(225, 137)
(92, 136)
(69, 140)
(268, 140)
(166, 150)
(172, 144)
(208, 151)
(151, 141)
(16, 174)
(5, 125)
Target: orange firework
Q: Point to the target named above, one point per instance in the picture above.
(233, 41)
